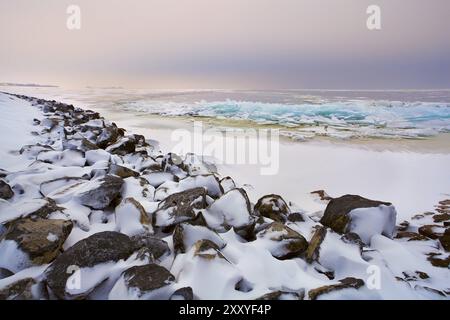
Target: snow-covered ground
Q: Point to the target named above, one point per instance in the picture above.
(413, 178)
(16, 117)
(254, 248)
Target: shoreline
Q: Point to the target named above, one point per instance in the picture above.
(139, 211)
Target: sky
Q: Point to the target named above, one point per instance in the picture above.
(230, 44)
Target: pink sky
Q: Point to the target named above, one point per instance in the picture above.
(227, 44)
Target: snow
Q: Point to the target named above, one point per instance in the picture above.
(128, 219)
(93, 156)
(230, 209)
(388, 176)
(12, 257)
(366, 222)
(15, 130)
(66, 158)
(206, 181)
(52, 237)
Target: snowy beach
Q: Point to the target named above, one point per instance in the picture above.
(162, 226)
(412, 173)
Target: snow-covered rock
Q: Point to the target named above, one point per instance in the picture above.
(362, 216)
(272, 206)
(93, 156)
(99, 193)
(180, 207)
(39, 240)
(66, 158)
(98, 249)
(147, 282)
(281, 241)
(186, 235)
(131, 218)
(230, 210)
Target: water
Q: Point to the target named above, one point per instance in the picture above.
(300, 114)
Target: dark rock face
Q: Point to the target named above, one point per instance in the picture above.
(147, 278)
(283, 295)
(291, 243)
(98, 248)
(5, 273)
(353, 238)
(19, 290)
(172, 159)
(183, 294)
(100, 197)
(121, 171)
(272, 206)
(179, 207)
(336, 214)
(344, 284)
(46, 210)
(296, 217)
(313, 251)
(108, 136)
(186, 234)
(5, 190)
(430, 232)
(157, 247)
(207, 249)
(445, 240)
(123, 147)
(411, 236)
(41, 239)
(322, 195)
(437, 260)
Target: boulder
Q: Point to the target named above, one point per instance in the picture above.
(179, 207)
(108, 136)
(347, 283)
(230, 210)
(411, 236)
(93, 156)
(149, 281)
(439, 260)
(22, 289)
(184, 293)
(131, 218)
(352, 213)
(282, 241)
(5, 190)
(171, 159)
(122, 171)
(283, 295)
(98, 194)
(5, 273)
(40, 239)
(66, 158)
(97, 249)
(158, 248)
(445, 240)
(432, 231)
(272, 206)
(313, 250)
(122, 147)
(227, 184)
(186, 235)
(157, 178)
(209, 182)
(197, 165)
(207, 249)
